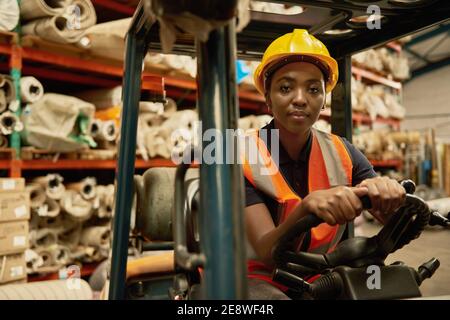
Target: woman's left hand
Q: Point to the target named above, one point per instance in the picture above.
(386, 195)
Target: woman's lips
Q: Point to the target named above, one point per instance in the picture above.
(298, 115)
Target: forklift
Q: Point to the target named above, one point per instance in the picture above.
(196, 214)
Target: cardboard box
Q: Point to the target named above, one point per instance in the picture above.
(13, 237)
(14, 206)
(12, 268)
(12, 184)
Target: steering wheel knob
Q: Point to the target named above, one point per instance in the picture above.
(409, 185)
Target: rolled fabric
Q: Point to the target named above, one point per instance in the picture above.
(94, 128)
(84, 12)
(70, 234)
(69, 289)
(60, 255)
(106, 198)
(86, 187)
(95, 236)
(53, 223)
(51, 28)
(66, 26)
(7, 85)
(102, 98)
(3, 103)
(43, 237)
(9, 14)
(46, 255)
(32, 9)
(53, 185)
(33, 260)
(37, 194)
(31, 90)
(50, 208)
(109, 130)
(3, 141)
(75, 206)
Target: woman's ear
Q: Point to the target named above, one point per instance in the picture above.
(268, 101)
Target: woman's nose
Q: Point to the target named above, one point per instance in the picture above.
(299, 97)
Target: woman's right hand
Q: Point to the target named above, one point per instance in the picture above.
(337, 205)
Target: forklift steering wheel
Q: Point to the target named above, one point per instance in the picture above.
(405, 225)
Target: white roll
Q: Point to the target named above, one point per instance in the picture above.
(102, 98)
(3, 141)
(75, 206)
(9, 122)
(53, 185)
(50, 208)
(108, 131)
(32, 9)
(69, 289)
(31, 90)
(95, 236)
(9, 14)
(33, 260)
(43, 238)
(7, 85)
(70, 234)
(86, 187)
(37, 194)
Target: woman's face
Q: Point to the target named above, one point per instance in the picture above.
(297, 94)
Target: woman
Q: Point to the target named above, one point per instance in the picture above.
(317, 173)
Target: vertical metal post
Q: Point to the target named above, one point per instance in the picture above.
(221, 193)
(135, 52)
(341, 110)
(16, 74)
(341, 101)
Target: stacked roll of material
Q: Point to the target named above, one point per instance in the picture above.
(79, 232)
(9, 14)
(31, 89)
(59, 21)
(70, 289)
(7, 92)
(53, 184)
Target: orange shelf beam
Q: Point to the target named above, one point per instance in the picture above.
(364, 118)
(359, 72)
(397, 163)
(65, 164)
(114, 6)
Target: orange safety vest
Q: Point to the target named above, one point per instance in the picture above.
(329, 165)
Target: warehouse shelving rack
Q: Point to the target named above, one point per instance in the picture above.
(77, 67)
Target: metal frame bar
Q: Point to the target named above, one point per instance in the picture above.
(136, 48)
(221, 193)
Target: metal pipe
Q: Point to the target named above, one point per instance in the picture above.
(341, 112)
(221, 208)
(136, 47)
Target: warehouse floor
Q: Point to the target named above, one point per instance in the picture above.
(433, 242)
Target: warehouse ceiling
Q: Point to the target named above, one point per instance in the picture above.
(340, 24)
(428, 50)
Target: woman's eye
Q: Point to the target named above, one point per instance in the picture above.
(285, 89)
(314, 90)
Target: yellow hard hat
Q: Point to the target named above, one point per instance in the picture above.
(296, 46)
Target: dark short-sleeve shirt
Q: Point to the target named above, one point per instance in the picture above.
(296, 172)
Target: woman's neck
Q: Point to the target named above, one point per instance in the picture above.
(292, 142)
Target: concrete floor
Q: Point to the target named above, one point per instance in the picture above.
(433, 242)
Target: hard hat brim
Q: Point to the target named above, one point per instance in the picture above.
(329, 62)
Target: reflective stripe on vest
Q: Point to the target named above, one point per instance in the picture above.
(329, 165)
